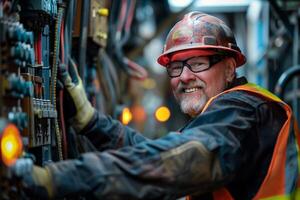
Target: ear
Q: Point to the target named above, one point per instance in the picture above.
(230, 69)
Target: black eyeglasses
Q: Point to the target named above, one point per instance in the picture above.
(195, 64)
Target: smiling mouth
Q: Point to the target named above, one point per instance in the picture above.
(190, 90)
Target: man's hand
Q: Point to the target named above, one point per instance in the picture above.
(78, 107)
(36, 181)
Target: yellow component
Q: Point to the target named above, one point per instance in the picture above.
(162, 114)
(103, 12)
(102, 35)
(126, 116)
(11, 145)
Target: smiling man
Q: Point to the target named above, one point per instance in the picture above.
(240, 144)
(191, 88)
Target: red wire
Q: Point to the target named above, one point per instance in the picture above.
(62, 39)
(130, 15)
(39, 49)
(36, 50)
(136, 71)
(122, 15)
(61, 93)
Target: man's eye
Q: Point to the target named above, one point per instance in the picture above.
(176, 68)
(198, 65)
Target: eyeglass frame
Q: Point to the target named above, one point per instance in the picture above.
(213, 60)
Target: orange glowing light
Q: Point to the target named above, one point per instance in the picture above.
(138, 113)
(126, 116)
(11, 145)
(162, 114)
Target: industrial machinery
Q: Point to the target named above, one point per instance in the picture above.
(37, 39)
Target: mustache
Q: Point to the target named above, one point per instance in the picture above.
(193, 84)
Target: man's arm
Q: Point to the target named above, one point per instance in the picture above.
(205, 156)
(103, 131)
(107, 133)
(210, 153)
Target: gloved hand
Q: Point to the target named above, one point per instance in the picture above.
(78, 109)
(36, 181)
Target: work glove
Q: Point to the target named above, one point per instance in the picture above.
(36, 181)
(78, 109)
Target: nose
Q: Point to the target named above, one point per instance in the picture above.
(187, 75)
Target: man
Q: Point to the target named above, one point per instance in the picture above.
(239, 145)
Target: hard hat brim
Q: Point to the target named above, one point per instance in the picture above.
(165, 58)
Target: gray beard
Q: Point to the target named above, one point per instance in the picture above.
(192, 106)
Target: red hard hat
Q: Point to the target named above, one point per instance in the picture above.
(203, 32)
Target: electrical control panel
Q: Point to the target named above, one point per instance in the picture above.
(36, 41)
(25, 78)
(16, 54)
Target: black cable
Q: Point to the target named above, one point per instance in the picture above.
(68, 29)
(111, 41)
(13, 6)
(106, 67)
(85, 13)
(285, 78)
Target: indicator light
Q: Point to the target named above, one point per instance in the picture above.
(126, 116)
(162, 114)
(11, 145)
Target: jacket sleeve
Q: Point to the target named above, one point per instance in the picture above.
(167, 168)
(107, 133)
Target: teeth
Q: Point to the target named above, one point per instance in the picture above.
(189, 90)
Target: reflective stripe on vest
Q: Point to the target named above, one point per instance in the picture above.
(285, 163)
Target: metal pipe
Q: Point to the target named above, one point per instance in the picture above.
(285, 78)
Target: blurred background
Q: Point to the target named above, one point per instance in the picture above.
(266, 31)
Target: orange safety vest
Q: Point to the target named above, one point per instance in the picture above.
(274, 185)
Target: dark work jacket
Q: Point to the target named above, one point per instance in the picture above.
(230, 144)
